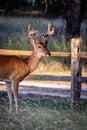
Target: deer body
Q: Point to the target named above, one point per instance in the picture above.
(14, 69)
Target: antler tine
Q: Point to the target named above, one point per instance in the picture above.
(31, 32)
(29, 26)
(49, 31)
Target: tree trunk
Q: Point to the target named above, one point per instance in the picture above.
(73, 18)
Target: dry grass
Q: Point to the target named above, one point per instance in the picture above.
(35, 117)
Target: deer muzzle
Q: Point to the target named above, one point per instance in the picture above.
(48, 54)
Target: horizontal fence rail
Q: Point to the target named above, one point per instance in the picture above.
(56, 78)
(52, 78)
(28, 53)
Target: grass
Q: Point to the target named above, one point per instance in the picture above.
(47, 115)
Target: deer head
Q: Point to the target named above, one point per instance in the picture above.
(40, 48)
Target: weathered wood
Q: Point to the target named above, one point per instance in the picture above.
(28, 53)
(83, 55)
(61, 54)
(52, 78)
(49, 78)
(82, 79)
(55, 78)
(15, 52)
(76, 71)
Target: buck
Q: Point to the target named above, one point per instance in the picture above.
(14, 69)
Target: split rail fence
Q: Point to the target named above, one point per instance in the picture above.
(76, 66)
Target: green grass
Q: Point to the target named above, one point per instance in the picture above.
(47, 115)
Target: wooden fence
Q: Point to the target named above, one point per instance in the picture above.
(76, 66)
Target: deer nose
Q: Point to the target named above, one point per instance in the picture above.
(48, 54)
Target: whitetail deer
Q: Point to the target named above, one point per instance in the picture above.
(14, 69)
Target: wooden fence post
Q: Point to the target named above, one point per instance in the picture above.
(76, 71)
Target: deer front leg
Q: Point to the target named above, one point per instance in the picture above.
(9, 91)
(15, 85)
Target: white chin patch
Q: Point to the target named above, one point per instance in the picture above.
(40, 54)
(47, 55)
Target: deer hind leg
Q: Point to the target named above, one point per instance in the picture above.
(9, 91)
(15, 85)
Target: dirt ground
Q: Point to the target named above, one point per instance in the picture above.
(47, 88)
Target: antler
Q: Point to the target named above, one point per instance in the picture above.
(31, 32)
(49, 32)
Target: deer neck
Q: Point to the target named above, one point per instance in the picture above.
(33, 61)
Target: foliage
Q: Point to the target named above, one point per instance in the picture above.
(13, 32)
